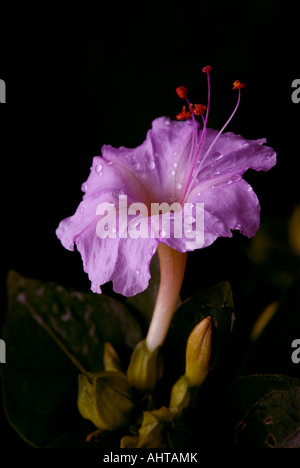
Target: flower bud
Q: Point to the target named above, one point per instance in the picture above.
(198, 353)
(145, 368)
(105, 400)
(180, 392)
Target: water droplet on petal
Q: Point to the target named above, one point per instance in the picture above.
(175, 164)
(151, 165)
(216, 156)
(173, 173)
(99, 168)
(81, 209)
(198, 194)
(178, 185)
(137, 272)
(84, 187)
(234, 178)
(116, 193)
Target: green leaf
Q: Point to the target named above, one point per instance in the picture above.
(265, 411)
(216, 302)
(80, 321)
(51, 334)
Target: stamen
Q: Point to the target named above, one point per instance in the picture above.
(236, 85)
(199, 109)
(184, 114)
(206, 70)
(181, 92)
(226, 123)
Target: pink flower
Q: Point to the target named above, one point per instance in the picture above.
(179, 162)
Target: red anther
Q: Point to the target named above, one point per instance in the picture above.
(181, 92)
(207, 69)
(184, 114)
(199, 109)
(238, 85)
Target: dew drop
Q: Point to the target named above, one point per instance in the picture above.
(175, 164)
(137, 272)
(234, 178)
(178, 185)
(198, 194)
(84, 187)
(216, 156)
(99, 168)
(151, 165)
(116, 193)
(173, 173)
(81, 209)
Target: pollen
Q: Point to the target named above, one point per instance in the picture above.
(207, 69)
(184, 114)
(238, 85)
(181, 92)
(199, 109)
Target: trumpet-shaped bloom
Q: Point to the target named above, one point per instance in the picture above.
(179, 162)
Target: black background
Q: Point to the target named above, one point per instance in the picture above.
(81, 74)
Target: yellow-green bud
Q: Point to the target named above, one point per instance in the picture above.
(198, 352)
(105, 399)
(145, 368)
(180, 392)
(111, 359)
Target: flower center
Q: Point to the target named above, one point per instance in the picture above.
(198, 139)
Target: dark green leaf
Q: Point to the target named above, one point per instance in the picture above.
(52, 334)
(272, 351)
(266, 411)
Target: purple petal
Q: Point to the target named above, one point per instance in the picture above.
(232, 154)
(229, 207)
(159, 163)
